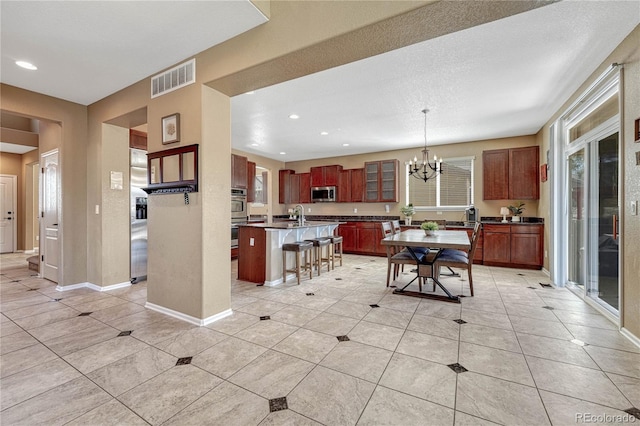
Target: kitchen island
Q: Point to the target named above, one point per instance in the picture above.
(260, 247)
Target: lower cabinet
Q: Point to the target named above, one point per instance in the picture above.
(478, 255)
(362, 238)
(513, 245)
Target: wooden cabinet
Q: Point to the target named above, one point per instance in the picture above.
(495, 174)
(497, 244)
(524, 166)
(325, 175)
(511, 174)
(137, 139)
(357, 185)
(305, 188)
(284, 186)
(350, 184)
(252, 245)
(251, 181)
(381, 181)
(513, 245)
(238, 171)
(362, 238)
(294, 188)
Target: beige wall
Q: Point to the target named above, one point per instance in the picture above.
(626, 53)
(63, 125)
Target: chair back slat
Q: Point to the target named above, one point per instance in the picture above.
(396, 226)
(387, 229)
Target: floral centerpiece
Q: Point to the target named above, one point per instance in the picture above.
(429, 228)
(408, 211)
(516, 211)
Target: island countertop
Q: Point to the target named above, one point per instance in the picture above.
(260, 252)
(290, 224)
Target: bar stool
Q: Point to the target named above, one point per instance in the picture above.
(336, 243)
(319, 244)
(299, 247)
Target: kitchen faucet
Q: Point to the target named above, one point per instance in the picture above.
(300, 211)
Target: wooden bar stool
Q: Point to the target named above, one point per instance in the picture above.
(299, 247)
(336, 244)
(319, 245)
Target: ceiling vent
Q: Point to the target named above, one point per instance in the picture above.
(175, 78)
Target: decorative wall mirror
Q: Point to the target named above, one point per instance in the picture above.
(173, 170)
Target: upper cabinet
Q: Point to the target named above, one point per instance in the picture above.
(509, 174)
(305, 188)
(381, 181)
(350, 184)
(238, 171)
(137, 139)
(284, 186)
(325, 175)
(251, 181)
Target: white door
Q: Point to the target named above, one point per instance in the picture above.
(8, 194)
(49, 228)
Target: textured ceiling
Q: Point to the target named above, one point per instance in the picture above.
(504, 78)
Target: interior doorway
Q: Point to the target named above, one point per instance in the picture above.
(8, 216)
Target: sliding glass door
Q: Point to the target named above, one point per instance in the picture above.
(593, 216)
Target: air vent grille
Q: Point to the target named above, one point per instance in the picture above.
(174, 78)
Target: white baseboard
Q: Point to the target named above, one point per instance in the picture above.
(547, 273)
(93, 287)
(629, 335)
(72, 286)
(29, 252)
(188, 318)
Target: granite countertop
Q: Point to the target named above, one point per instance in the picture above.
(290, 224)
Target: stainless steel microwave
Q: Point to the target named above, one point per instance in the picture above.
(323, 194)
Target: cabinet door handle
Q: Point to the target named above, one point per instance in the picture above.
(615, 227)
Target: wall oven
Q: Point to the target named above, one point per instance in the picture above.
(238, 204)
(238, 212)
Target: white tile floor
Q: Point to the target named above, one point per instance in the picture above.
(123, 364)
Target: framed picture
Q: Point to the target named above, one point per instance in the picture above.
(171, 128)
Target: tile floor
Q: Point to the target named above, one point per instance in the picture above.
(337, 350)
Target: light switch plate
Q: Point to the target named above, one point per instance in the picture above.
(634, 208)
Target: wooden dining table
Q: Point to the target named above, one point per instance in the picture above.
(441, 239)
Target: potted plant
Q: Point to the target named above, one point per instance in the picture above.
(429, 228)
(408, 211)
(516, 211)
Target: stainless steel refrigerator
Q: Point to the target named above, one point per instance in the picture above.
(138, 215)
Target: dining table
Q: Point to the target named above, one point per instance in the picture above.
(426, 268)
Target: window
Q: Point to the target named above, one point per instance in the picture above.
(451, 190)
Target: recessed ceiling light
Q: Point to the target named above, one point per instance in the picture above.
(26, 65)
(254, 144)
(282, 153)
(251, 92)
(345, 144)
(324, 133)
(294, 116)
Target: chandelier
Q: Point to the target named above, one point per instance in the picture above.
(425, 170)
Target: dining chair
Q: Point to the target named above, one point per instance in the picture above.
(459, 258)
(396, 256)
